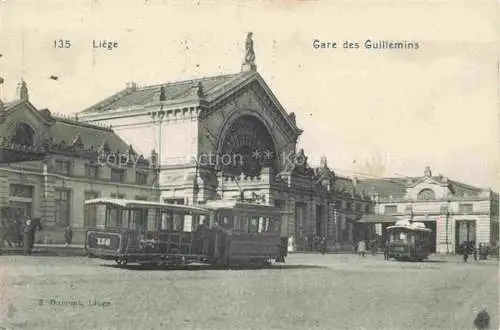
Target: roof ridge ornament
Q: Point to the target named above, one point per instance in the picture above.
(249, 62)
(77, 141)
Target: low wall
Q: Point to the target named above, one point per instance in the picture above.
(56, 236)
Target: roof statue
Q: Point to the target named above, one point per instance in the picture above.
(249, 62)
(250, 54)
(22, 91)
(162, 94)
(199, 89)
(427, 171)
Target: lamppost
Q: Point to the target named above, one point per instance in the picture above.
(158, 117)
(447, 225)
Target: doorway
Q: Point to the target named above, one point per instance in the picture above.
(20, 211)
(432, 226)
(465, 231)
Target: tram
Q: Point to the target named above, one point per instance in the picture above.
(224, 233)
(409, 241)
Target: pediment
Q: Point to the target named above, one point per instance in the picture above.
(24, 110)
(254, 90)
(427, 181)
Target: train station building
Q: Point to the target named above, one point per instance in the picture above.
(221, 136)
(215, 138)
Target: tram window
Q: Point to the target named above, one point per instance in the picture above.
(178, 224)
(226, 221)
(254, 225)
(403, 236)
(167, 220)
(273, 226)
(112, 217)
(204, 220)
(236, 221)
(139, 220)
(245, 222)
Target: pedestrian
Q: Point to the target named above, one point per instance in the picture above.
(362, 248)
(323, 245)
(68, 235)
(475, 248)
(28, 236)
(374, 248)
(465, 251)
(386, 250)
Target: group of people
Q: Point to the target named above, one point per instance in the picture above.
(363, 246)
(468, 248)
(21, 233)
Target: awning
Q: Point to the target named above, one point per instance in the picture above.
(377, 218)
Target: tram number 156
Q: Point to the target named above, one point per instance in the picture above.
(103, 241)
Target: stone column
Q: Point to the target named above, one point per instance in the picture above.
(290, 208)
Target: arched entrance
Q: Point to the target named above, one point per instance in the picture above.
(247, 147)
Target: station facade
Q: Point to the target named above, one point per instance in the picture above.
(227, 136)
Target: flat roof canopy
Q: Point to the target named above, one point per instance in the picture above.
(11, 156)
(377, 218)
(138, 204)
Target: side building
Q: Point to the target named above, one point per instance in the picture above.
(82, 161)
(454, 211)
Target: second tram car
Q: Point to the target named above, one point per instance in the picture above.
(221, 232)
(409, 241)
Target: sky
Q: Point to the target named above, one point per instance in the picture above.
(435, 106)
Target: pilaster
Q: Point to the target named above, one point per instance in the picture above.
(331, 228)
(47, 201)
(4, 188)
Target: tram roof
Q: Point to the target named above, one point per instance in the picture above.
(409, 228)
(235, 204)
(132, 203)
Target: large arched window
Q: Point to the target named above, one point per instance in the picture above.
(24, 135)
(426, 195)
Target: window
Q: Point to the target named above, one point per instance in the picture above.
(117, 175)
(118, 196)
(465, 208)
(62, 167)
(390, 209)
(141, 178)
(179, 201)
(18, 190)
(62, 207)
(24, 135)
(141, 198)
(90, 211)
(426, 195)
(91, 171)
